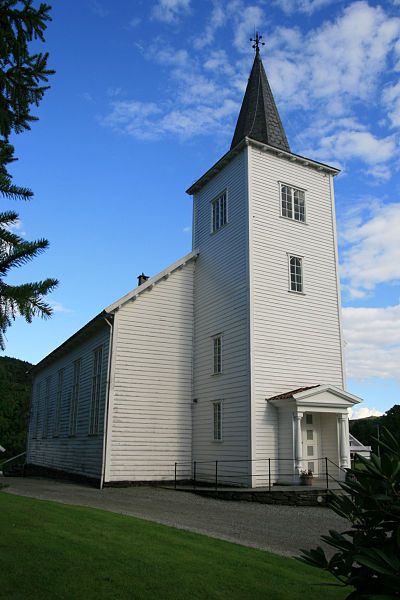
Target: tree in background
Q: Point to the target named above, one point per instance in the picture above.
(366, 430)
(23, 78)
(15, 392)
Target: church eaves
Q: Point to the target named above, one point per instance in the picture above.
(259, 118)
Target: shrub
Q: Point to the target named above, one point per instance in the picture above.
(368, 553)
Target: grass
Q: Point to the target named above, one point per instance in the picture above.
(50, 550)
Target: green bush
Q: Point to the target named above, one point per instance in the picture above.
(368, 553)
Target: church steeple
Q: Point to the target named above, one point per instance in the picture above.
(259, 118)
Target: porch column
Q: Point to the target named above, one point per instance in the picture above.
(343, 443)
(297, 442)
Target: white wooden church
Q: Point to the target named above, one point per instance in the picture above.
(233, 353)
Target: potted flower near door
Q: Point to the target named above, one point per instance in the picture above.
(306, 477)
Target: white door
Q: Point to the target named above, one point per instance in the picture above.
(311, 443)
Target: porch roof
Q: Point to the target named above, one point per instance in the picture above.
(316, 398)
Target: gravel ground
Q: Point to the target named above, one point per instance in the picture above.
(280, 529)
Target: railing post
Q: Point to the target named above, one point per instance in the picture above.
(269, 474)
(216, 475)
(175, 477)
(194, 475)
(326, 472)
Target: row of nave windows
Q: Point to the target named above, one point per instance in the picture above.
(42, 406)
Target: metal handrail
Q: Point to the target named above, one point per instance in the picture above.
(230, 477)
(13, 458)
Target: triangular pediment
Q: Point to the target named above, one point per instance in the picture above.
(317, 398)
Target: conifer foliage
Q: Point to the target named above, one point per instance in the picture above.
(23, 82)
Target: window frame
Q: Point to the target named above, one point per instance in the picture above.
(217, 421)
(213, 202)
(59, 395)
(292, 189)
(217, 368)
(291, 255)
(74, 398)
(97, 375)
(46, 411)
(35, 416)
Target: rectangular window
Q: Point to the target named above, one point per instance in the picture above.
(46, 415)
(296, 274)
(217, 408)
(96, 383)
(217, 343)
(73, 407)
(310, 450)
(292, 203)
(57, 413)
(35, 424)
(309, 419)
(310, 434)
(219, 212)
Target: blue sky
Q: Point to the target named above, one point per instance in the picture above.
(145, 99)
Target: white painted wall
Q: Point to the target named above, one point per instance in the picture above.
(221, 306)
(80, 454)
(295, 339)
(150, 421)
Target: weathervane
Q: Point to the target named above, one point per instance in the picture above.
(257, 42)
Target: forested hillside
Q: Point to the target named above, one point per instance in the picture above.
(15, 392)
(366, 430)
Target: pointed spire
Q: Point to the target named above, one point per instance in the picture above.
(259, 118)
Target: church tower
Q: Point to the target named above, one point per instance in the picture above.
(268, 373)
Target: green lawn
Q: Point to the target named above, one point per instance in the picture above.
(51, 551)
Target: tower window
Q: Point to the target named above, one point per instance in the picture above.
(217, 408)
(217, 345)
(292, 203)
(295, 274)
(219, 212)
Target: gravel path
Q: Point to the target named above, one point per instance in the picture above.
(280, 529)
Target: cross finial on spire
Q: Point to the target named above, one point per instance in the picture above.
(257, 42)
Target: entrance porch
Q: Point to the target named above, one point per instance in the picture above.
(313, 433)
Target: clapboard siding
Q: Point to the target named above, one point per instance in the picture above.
(150, 418)
(221, 307)
(82, 453)
(296, 339)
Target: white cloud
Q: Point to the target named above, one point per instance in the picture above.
(364, 412)
(391, 98)
(372, 337)
(302, 6)
(187, 229)
(134, 118)
(17, 227)
(58, 307)
(347, 144)
(247, 20)
(371, 254)
(170, 11)
(217, 20)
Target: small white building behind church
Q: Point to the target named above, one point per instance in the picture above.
(232, 354)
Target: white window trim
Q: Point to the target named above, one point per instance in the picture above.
(74, 401)
(46, 411)
(293, 187)
(289, 256)
(212, 230)
(58, 406)
(214, 337)
(97, 376)
(221, 403)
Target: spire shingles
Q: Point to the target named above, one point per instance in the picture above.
(259, 118)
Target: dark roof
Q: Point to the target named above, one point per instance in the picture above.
(259, 118)
(287, 395)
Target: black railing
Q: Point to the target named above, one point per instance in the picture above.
(236, 473)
